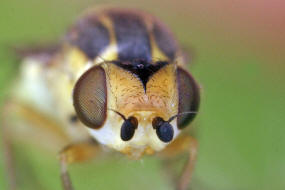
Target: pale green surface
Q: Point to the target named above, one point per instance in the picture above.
(240, 127)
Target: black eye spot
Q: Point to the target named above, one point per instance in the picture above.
(164, 130)
(128, 128)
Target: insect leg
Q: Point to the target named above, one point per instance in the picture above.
(21, 123)
(75, 153)
(8, 158)
(181, 145)
(187, 172)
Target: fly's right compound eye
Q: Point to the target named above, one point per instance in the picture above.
(90, 97)
(128, 128)
(164, 129)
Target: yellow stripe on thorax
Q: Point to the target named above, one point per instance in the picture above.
(157, 54)
(76, 59)
(111, 52)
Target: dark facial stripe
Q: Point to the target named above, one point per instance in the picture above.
(132, 37)
(142, 69)
(90, 36)
(164, 40)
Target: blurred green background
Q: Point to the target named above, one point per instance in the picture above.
(238, 58)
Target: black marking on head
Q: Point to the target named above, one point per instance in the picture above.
(189, 97)
(90, 36)
(164, 129)
(132, 36)
(128, 128)
(142, 69)
(164, 40)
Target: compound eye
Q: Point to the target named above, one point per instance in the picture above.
(164, 129)
(128, 128)
(189, 97)
(90, 97)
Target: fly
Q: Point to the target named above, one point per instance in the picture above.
(115, 78)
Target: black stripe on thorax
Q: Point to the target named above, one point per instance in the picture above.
(132, 36)
(90, 36)
(164, 40)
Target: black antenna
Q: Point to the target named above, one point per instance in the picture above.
(187, 112)
(118, 114)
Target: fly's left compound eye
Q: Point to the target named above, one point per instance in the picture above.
(128, 128)
(189, 97)
(164, 129)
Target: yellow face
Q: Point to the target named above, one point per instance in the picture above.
(125, 96)
(127, 93)
(129, 97)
